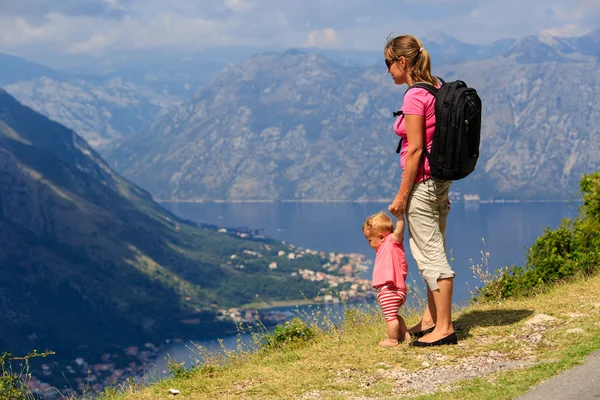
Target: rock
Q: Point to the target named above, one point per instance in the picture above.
(535, 338)
(575, 331)
(174, 392)
(426, 364)
(539, 319)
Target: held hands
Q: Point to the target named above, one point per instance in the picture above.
(398, 206)
(397, 214)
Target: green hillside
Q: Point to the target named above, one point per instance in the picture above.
(88, 261)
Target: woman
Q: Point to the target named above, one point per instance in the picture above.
(422, 198)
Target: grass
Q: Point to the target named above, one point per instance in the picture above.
(500, 355)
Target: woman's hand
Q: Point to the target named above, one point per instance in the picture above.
(398, 206)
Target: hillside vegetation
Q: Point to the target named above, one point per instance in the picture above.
(572, 250)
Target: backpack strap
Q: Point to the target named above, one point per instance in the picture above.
(431, 89)
(422, 85)
(427, 86)
(399, 148)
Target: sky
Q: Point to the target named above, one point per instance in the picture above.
(95, 27)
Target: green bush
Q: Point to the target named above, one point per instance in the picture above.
(551, 257)
(13, 382)
(573, 249)
(178, 369)
(293, 331)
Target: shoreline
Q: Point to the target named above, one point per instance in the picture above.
(470, 202)
(303, 302)
(281, 303)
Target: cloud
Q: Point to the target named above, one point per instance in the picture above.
(239, 5)
(36, 10)
(94, 44)
(96, 26)
(93, 34)
(322, 38)
(568, 30)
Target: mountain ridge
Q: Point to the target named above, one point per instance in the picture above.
(112, 115)
(309, 128)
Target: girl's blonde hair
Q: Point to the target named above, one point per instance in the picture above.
(417, 57)
(378, 223)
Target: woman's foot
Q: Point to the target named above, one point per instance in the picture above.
(388, 342)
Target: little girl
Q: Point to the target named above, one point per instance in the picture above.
(389, 273)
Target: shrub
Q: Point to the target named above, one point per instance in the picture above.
(570, 250)
(551, 257)
(293, 331)
(13, 383)
(178, 369)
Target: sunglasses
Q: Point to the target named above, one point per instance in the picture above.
(389, 62)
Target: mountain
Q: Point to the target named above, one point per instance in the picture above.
(540, 130)
(589, 43)
(446, 49)
(101, 108)
(89, 261)
(536, 49)
(15, 69)
(111, 97)
(277, 126)
(102, 111)
(297, 126)
(546, 48)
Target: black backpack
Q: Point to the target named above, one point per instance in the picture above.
(455, 144)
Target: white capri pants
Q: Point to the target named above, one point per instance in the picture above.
(426, 214)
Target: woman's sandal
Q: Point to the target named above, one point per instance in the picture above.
(450, 339)
(420, 334)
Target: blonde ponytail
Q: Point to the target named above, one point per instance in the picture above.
(417, 57)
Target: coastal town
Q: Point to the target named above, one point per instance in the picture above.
(342, 273)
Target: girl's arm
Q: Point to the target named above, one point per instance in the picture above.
(415, 134)
(399, 231)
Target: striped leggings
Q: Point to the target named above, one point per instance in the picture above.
(390, 299)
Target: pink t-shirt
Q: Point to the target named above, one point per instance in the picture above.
(417, 102)
(390, 264)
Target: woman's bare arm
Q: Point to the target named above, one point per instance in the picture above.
(415, 136)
